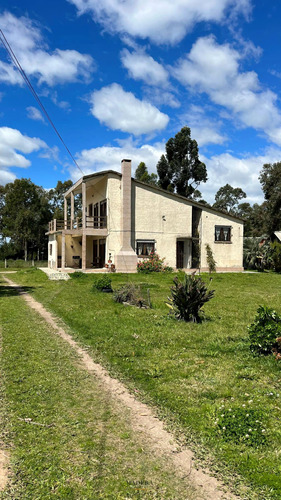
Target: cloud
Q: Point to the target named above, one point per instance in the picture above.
(13, 146)
(238, 172)
(161, 21)
(34, 114)
(121, 110)
(214, 69)
(143, 67)
(203, 129)
(51, 68)
(161, 97)
(109, 157)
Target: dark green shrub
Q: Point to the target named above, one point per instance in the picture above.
(276, 256)
(103, 284)
(210, 259)
(153, 264)
(188, 297)
(130, 294)
(264, 331)
(77, 274)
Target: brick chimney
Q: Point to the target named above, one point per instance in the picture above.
(126, 259)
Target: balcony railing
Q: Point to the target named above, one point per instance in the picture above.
(95, 222)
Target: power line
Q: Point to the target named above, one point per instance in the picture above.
(16, 62)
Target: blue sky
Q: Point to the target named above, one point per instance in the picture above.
(120, 77)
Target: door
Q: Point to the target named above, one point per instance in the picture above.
(102, 253)
(95, 253)
(180, 254)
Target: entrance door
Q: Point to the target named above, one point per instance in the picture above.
(102, 253)
(180, 254)
(98, 253)
(95, 253)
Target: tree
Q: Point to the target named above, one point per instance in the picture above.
(25, 215)
(56, 197)
(227, 199)
(180, 169)
(141, 174)
(270, 178)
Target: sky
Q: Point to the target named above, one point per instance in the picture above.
(120, 77)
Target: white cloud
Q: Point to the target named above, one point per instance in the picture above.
(161, 97)
(238, 172)
(121, 110)
(34, 114)
(27, 42)
(214, 69)
(109, 158)
(141, 66)
(203, 129)
(13, 146)
(163, 21)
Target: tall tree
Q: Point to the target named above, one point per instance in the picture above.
(270, 178)
(56, 198)
(141, 174)
(180, 169)
(25, 215)
(227, 199)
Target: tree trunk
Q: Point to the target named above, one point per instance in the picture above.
(25, 250)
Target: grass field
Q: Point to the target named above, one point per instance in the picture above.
(202, 378)
(65, 437)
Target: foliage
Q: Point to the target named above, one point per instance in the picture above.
(77, 275)
(276, 256)
(153, 264)
(264, 331)
(270, 178)
(188, 297)
(227, 199)
(241, 425)
(180, 169)
(141, 174)
(210, 259)
(257, 254)
(103, 283)
(56, 197)
(129, 294)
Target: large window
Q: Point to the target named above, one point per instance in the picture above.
(223, 233)
(144, 248)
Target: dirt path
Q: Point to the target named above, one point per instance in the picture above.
(143, 419)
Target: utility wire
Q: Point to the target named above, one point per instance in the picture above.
(16, 62)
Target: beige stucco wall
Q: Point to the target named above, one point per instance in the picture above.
(161, 217)
(227, 255)
(97, 192)
(52, 259)
(72, 247)
(114, 216)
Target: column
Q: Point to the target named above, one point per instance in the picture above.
(84, 251)
(63, 251)
(71, 210)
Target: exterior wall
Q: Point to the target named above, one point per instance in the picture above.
(163, 218)
(96, 193)
(113, 239)
(226, 254)
(52, 259)
(72, 247)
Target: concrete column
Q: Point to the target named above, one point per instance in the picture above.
(71, 209)
(63, 251)
(84, 251)
(65, 213)
(84, 205)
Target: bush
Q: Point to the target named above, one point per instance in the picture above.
(188, 297)
(153, 264)
(263, 332)
(210, 259)
(103, 284)
(276, 256)
(130, 294)
(77, 274)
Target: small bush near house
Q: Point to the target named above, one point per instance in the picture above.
(77, 274)
(130, 294)
(210, 260)
(103, 284)
(188, 297)
(276, 256)
(153, 264)
(264, 331)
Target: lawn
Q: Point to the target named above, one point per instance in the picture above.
(65, 436)
(205, 382)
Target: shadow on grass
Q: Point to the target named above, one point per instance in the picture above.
(12, 291)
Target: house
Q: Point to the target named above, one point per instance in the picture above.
(123, 220)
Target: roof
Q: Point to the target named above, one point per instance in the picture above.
(278, 234)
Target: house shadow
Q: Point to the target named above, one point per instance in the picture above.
(13, 291)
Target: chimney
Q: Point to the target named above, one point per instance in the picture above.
(126, 259)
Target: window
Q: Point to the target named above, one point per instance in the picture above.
(51, 249)
(90, 211)
(103, 213)
(222, 233)
(144, 248)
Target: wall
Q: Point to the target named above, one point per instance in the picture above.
(52, 259)
(69, 252)
(113, 243)
(227, 255)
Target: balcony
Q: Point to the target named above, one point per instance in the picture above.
(94, 222)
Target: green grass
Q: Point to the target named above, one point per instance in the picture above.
(65, 437)
(192, 373)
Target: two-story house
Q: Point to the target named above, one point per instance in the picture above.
(123, 220)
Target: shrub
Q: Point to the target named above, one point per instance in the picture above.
(263, 332)
(153, 264)
(210, 259)
(276, 256)
(103, 284)
(188, 297)
(77, 274)
(130, 294)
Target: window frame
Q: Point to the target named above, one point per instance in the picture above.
(221, 238)
(144, 242)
